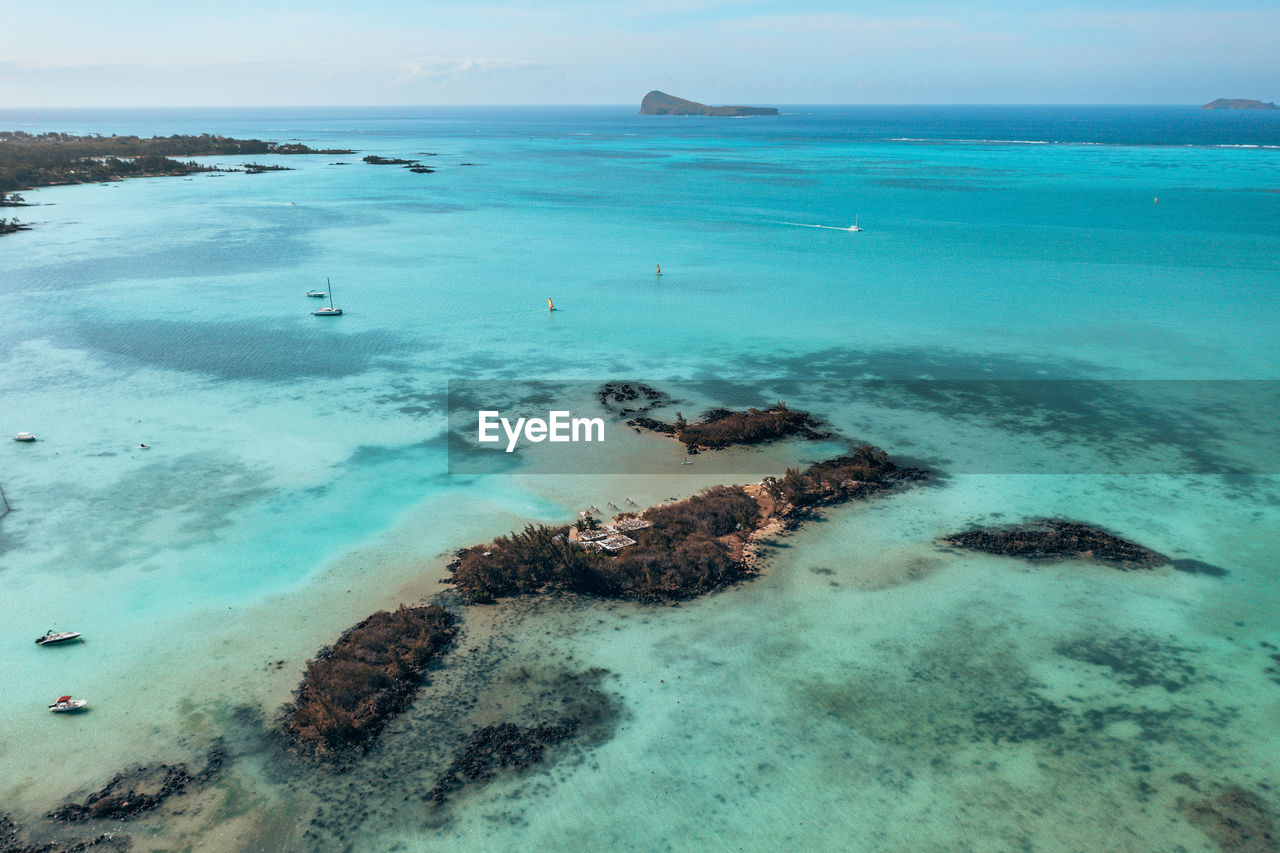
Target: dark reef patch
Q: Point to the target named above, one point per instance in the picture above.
(1236, 820)
(631, 398)
(1128, 426)
(1029, 717)
(202, 487)
(239, 350)
(407, 398)
(504, 746)
(1157, 726)
(11, 841)
(539, 717)
(1058, 539)
(1138, 660)
(964, 690)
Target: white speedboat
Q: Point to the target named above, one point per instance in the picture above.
(24, 436)
(317, 294)
(52, 639)
(66, 703)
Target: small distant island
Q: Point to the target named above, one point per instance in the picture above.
(258, 168)
(412, 165)
(661, 104)
(674, 550)
(1238, 104)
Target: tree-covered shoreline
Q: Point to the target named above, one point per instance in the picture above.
(29, 160)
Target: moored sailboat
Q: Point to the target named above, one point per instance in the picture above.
(330, 311)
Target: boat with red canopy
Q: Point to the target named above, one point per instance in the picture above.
(66, 703)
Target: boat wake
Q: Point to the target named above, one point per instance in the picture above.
(808, 225)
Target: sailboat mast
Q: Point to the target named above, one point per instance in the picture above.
(329, 287)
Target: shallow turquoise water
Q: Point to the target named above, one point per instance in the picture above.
(297, 476)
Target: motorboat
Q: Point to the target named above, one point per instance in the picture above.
(316, 294)
(66, 703)
(52, 639)
(24, 436)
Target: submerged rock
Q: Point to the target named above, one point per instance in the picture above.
(652, 425)
(132, 792)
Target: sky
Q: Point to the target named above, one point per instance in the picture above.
(136, 53)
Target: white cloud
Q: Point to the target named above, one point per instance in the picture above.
(435, 67)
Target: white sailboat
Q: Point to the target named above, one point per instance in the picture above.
(854, 226)
(330, 311)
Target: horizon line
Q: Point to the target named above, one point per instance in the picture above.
(603, 105)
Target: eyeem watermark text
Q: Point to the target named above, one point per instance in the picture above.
(558, 426)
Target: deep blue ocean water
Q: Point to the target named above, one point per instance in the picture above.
(870, 691)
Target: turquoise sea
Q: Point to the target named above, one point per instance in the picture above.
(1066, 311)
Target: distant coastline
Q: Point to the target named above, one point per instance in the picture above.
(29, 161)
